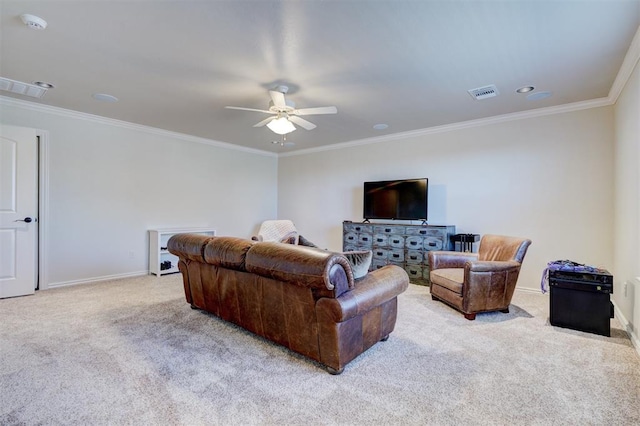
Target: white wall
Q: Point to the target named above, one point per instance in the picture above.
(547, 178)
(109, 184)
(627, 201)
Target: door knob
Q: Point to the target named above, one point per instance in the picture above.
(26, 219)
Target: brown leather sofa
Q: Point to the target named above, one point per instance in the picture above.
(478, 282)
(300, 297)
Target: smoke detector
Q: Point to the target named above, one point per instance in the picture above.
(33, 22)
(485, 92)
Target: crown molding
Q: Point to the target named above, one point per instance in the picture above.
(626, 69)
(539, 112)
(629, 63)
(576, 106)
(32, 106)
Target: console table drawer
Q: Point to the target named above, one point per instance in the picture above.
(414, 271)
(358, 227)
(365, 240)
(380, 253)
(350, 238)
(380, 240)
(389, 229)
(396, 255)
(433, 243)
(414, 256)
(396, 241)
(414, 242)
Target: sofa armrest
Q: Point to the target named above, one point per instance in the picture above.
(488, 285)
(449, 259)
(491, 265)
(300, 265)
(376, 288)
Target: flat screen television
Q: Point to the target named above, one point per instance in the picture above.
(396, 199)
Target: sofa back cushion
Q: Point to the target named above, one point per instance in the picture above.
(227, 252)
(188, 246)
(501, 248)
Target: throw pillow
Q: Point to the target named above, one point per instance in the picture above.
(304, 242)
(290, 238)
(360, 262)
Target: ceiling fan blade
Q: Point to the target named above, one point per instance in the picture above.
(316, 110)
(302, 122)
(249, 109)
(278, 99)
(263, 122)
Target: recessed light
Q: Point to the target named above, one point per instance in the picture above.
(525, 89)
(538, 95)
(44, 84)
(380, 126)
(103, 97)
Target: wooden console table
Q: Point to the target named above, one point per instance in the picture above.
(398, 244)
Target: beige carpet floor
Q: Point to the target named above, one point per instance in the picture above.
(133, 352)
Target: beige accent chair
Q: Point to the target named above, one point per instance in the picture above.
(281, 231)
(478, 282)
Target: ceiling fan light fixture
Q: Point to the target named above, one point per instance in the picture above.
(281, 126)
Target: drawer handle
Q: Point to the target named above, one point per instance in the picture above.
(365, 239)
(413, 272)
(387, 229)
(413, 243)
(396, 241)
(423, 232)
(432, 244)
(413, 257)
(396, 256)
(379, 240)
(379, 253)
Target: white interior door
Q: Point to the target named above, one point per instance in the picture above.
(18, 211)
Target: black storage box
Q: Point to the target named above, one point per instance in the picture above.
(581, 300)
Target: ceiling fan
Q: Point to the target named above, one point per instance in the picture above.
(285, 113)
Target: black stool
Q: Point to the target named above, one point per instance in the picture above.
(466, 241)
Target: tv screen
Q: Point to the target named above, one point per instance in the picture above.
(396, 199)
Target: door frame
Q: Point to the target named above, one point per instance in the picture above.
(42, 266)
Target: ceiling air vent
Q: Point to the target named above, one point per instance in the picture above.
(484, 92)
(21, 88)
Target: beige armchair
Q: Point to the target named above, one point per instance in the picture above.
(478, 282)
(281, 231)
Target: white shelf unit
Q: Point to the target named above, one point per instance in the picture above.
(158, 253)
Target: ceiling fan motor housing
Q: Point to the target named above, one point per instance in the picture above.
(290, 107)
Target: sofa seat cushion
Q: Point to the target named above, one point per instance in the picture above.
(360, 262)
(449, 278)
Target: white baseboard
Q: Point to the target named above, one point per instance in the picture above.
(627, 327)
(97, 279)
(530, 290)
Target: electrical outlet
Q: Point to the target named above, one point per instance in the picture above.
(132, 255)
(625, 289)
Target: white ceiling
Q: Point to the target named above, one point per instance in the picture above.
(174, 65)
